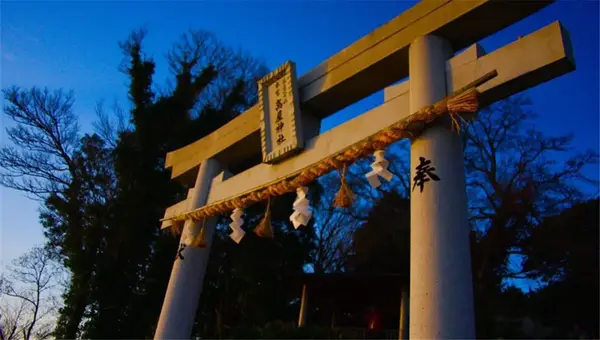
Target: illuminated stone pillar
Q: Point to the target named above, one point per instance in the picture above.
(441, 292)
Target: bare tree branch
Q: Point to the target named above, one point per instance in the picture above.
(513, 179)
(30, 283)
(110, 127)
(198, 51)
(46, 134)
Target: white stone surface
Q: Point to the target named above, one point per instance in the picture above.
(185, 284)
(363, 67)
(441, 293)
(531, 60)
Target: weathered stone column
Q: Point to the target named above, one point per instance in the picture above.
(441, 292)
(185, 285)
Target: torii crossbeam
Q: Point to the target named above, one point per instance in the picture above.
(417, 43)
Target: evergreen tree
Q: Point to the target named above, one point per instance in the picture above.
(212, 85)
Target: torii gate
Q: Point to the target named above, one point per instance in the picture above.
(420, 43)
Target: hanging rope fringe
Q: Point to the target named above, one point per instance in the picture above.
(463, 105)
(264, 228)
(345, 196)
(463, 101)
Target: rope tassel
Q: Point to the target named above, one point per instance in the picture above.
(302, 213)
(238, 233)
(379, 170)
(463, 102)
(264, 228)
(345, 196)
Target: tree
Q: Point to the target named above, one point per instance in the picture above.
(382, 244)
(212, 84)
(71, 175)
(563, 252)
(11, 319)
(91, 187)
(39, 161)
(331, 229)
(28, 296)
(335, 228)
(251, 283)
(514, 182)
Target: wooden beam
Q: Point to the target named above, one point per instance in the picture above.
(542, 55)
(377, 60)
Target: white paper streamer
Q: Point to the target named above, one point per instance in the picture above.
(302, 213)
(236, 226)
(379, 170)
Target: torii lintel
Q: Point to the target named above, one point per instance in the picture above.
(375, 61)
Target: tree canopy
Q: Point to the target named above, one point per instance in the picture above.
(102, 195)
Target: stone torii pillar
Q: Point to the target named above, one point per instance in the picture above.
(441, 293)
(185, 284)
(441, 296)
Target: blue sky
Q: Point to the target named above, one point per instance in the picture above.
(73, 45)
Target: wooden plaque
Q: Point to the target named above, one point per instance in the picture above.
(280, 119)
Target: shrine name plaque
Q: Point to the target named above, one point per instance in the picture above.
(279, 105)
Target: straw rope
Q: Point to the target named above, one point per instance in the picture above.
(462, 101)
(345, 195)
(264, 228)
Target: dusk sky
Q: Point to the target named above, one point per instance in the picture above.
(73, 45)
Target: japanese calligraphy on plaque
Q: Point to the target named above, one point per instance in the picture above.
(281, 134)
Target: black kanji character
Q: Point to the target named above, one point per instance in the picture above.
(180, 251)
(424, 173)
(280, 139)
(279, 126)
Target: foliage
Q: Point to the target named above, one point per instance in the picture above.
(39, 161)
(250, 283)
(515, 185)
(212, 85)
(72, 175)
(382, 244)
(563, 251)
(103, 194)
(515, 182)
